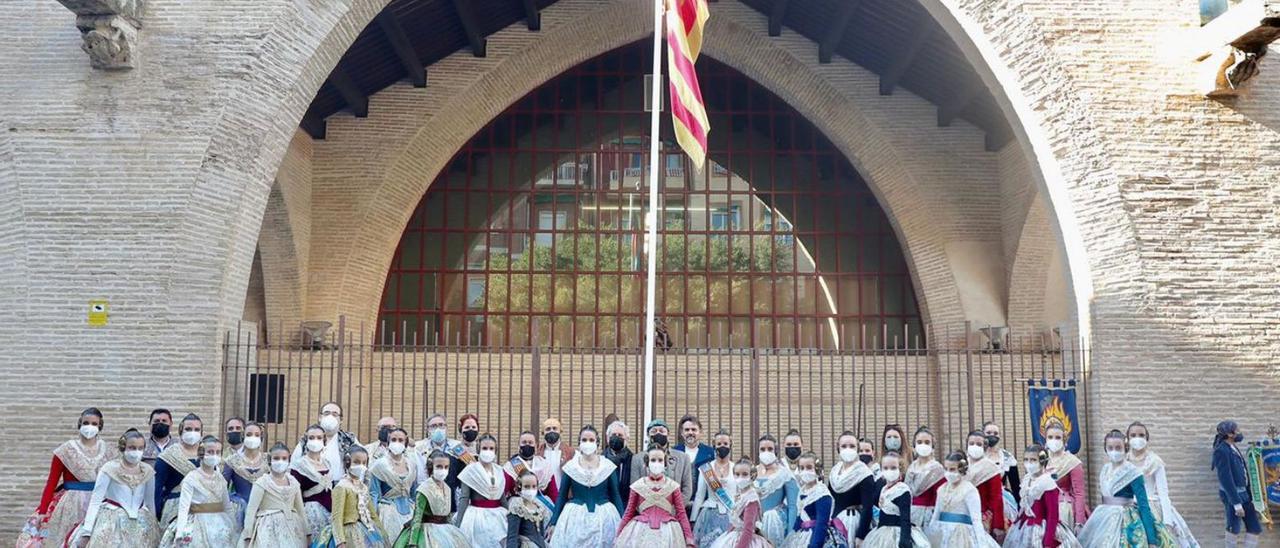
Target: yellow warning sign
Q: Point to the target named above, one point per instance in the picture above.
(98, 313)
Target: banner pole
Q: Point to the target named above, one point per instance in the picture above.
(651, 218)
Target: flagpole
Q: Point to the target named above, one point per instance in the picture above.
(651, 219)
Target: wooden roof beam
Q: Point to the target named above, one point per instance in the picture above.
(414, 68)
(532, 16)
(827, 47)
(776, 15)
(350, 92)
(901, 63)
(466, 13)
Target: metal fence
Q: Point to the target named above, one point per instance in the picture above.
(952, 388)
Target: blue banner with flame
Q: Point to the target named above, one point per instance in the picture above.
(1054, 401)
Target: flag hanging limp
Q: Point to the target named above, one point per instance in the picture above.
(685, 19)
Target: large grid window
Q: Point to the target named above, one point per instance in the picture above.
(534, 233)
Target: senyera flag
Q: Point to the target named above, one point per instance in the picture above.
(685, 19)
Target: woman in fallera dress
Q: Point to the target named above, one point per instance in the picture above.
(1069, 471)
(778, 492)
(527, 517)
(813, 526)
(924, 477)
(355, 518)
(589, 505)
(242, 468)
(205, 517)
(1157, 484)
(483, 491)
(312, 472)
(745, 512)
(853, 488)
(393, 478)
(987, 476)
(1037, 524)
(1124, 520)
(72, 473)
(274, 516)
(894, 529)
(120, 511)
(957, 517)
(430, 527)
(655, 515)
(173, 464)
(710, 514)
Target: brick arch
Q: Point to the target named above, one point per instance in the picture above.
(358, 283)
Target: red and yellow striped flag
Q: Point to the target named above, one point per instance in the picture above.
(685, 19)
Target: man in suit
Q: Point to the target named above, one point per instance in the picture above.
(1233, 486)
(553, 451)
(679, 467)
(691, 445)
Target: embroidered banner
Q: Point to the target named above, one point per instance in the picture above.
(1054, 401)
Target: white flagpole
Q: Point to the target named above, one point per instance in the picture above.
(651, 219)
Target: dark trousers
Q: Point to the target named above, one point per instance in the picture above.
(1251, 522)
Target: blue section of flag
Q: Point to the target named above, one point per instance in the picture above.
(1054, 399)
(1271, 473)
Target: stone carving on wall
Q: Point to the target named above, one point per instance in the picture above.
(110, 31)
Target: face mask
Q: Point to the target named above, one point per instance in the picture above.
(190, 438)
(866, 459)
(1032, 466)
(893, 444)
(992, 441)
(279, 466)
(487, 456)
(924, 450)
(358, 470)
(437, 436)
(1115, 456)
(741, 483)
(975, 451)
(807, 476)
(528, 494)
(848, 454)
(1053, 445)
(235, 438)
(723, 452)
(552, 438)
(656, 468)
(526, 451)
(88, 431)
(329, 423)
(212, 461)
(587, 448)
(160, 430)
(659, 440)
(315, 446)
(953, 477)
(767, 458)
(793, 453)
(1138, 443)
(253, 442)
(440, 474)
(1239, 437)
(396, 448)
(384, 434)
(133, 456)
(470, 435)
(617, 443)
(890, 476)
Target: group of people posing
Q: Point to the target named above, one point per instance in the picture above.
(899, 491)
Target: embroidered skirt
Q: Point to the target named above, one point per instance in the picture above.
(730, 540)
(392, 520)
(283, 529)
(1177, 526)
(358, 535)
(1022, 535)
(1113, 526)
(959, 535)
(579, 527)
(773, 525)
(433, 535)
(212, 530)
(920, 515)
(486, 527)
(711, 525)
(887, 537)
(66, 513)
(114, 528)
(642, 535)
(801, 539)
(317, 518)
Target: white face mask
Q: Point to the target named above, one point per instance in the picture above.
(656, 468)
(190, 437)
(88, 431)
(976, 451)
(330, 423)
(768, 457)
(528, 494)
(1032, 466)
(133, 456)
(1053, 445)
(953, 477)
(1116, 456)
(893, 444)
(741, 483)
(315, 446)
(807, 476)
(587, 448)
(924, 449)
(279, 466)
(890, 476)
(212, 461)
(440, 474)
(252, 442)
(396, 448)
(358, 471)
(1138, 443)
(848, 454)
(487, 456)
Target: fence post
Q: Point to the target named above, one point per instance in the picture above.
(338, 384)
(536, 381)
(755, 394)
(968, 367)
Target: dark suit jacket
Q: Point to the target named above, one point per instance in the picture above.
(1233, 482)
(705, 454)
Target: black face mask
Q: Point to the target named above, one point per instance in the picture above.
(992, 441)
(384, 434)
(160, 430)
(235, 438)
(793, 453)
(659, 440)
(616, 443)
(552, 437)
(1239, 437)
(526, 451)
(866, 459)
(722, 452)
(470, 435)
